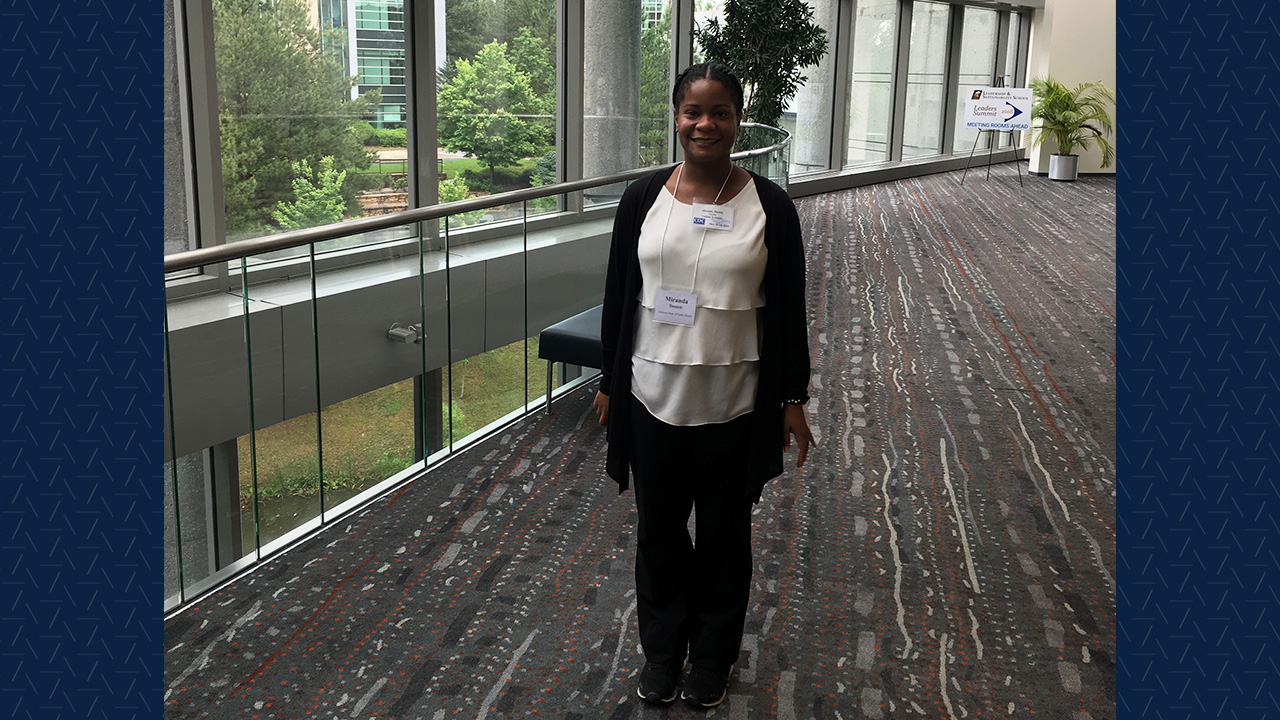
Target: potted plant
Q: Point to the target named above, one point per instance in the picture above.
(1073, 119)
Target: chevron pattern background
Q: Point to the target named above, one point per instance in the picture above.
(1197, 356)
(81, 382)
(82, 347)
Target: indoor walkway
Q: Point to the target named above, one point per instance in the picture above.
(948, 551)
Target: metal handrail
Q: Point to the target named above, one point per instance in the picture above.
(189, 259)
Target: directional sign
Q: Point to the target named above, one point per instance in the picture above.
(997, 108)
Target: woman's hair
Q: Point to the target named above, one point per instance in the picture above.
(710, 71)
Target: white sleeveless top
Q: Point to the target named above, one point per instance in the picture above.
(706, 372)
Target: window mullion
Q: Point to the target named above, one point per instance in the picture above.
(951, 79)
(901, 62)
(207, 194)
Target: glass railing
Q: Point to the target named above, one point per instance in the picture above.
(312, 384)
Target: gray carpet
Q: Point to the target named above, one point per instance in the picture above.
(948, 552)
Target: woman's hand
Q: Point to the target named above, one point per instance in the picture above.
(794, 422)
(601, 405)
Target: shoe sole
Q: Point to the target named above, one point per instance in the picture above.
(703, 706)
(694, 703)
(658, 701)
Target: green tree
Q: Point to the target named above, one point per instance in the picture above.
(489, 111)
(454, 191)
(655, 90)
(281, 100)
(317, 197)
(767, 43)
(544, 173)
(532, 56)
(472, 24)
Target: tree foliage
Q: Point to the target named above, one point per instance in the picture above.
(767, 43)
(317, 196)
(281, 100)
(655, 87)
(489, 110)
(473, 24)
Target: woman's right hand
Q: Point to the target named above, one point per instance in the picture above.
(601, 405)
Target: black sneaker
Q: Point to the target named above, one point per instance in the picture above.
(705, 688)
(658, 683)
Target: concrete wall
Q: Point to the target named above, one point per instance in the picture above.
(1075, 42)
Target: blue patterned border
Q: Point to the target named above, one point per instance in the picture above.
(83, 389)
(1197, 358)
(82, 359)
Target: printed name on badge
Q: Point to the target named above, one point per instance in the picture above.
(674, 307)
(712, 217)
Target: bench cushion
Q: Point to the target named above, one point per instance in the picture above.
(573, 341)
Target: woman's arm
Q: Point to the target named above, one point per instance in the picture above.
(796, 368)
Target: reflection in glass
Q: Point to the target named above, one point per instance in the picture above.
(926, 74)
(977, 69)
(871, 83)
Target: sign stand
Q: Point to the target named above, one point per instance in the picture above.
(991, 148)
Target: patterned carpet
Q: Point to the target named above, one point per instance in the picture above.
(948, 552)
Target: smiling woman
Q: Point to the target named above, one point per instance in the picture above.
(705, 350)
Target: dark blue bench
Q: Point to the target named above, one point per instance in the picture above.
(572, 341)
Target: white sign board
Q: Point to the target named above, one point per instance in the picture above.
(988, 108)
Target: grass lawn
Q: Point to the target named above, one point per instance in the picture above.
(368, 438)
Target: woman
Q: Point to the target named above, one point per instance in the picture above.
(706, 368)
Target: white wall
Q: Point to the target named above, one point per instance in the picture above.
(1075, 41)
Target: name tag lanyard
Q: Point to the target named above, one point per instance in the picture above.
(662, 247)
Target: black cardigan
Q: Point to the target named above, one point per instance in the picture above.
(784, 347)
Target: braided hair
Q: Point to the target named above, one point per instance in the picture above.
(708, 71)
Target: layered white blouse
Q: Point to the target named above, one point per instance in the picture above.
(705, 372)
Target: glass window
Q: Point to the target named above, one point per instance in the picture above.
(926, 77)
(1011, 65)
(977, 69)
(177, 229)
(807, 116)
(292, 124)
(875, 28)
(497, 99)
(655, 85)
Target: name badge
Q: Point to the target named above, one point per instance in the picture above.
(674, 307)
(712, 217)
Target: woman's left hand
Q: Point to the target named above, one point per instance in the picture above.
(795, 422)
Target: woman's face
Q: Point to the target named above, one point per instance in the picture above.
(706, 121)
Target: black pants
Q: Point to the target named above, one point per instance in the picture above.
(691, 596)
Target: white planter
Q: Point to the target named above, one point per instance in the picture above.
(1064, 167)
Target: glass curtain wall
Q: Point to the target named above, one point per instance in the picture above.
(977, 69)
(875, 30)
(926, 76)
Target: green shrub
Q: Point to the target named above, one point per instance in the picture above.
(387, 137)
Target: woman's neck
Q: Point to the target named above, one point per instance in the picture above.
(700, 174)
